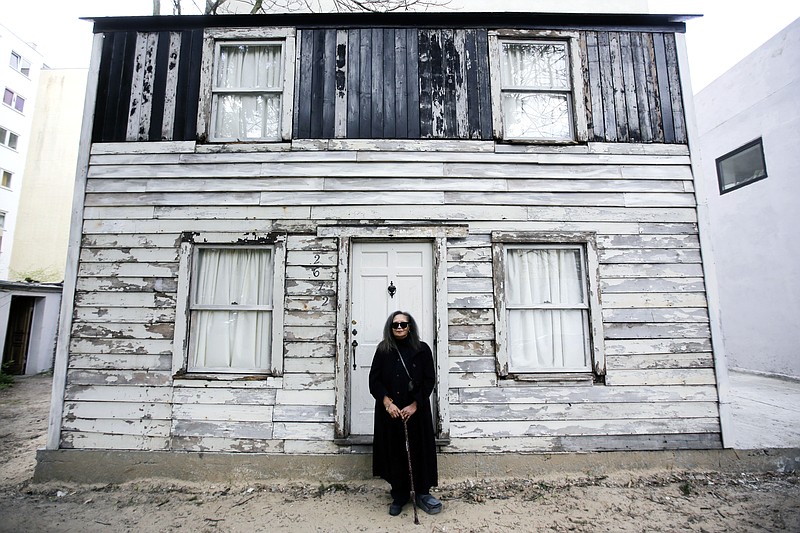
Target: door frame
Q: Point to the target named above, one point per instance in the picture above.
(437, 236)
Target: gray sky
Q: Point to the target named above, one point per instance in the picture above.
(729, 30)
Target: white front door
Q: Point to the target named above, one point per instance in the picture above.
(387, 277)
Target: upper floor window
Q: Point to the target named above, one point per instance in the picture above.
(13, 100)
(537, 87)
(744, 165)
(8, 138)
(6, 179)
(20, 64)
(250, 93)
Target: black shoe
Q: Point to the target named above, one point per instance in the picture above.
(429, 504)
(396, 507)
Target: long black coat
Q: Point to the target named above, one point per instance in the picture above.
(387, 377)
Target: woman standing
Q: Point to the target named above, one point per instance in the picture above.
(401, 380)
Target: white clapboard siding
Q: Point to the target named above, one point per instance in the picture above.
(638, 200)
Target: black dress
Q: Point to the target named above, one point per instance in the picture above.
(387, 377)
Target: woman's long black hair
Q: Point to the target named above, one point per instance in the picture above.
(388, 343)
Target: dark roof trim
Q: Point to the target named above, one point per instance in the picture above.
(604, 21)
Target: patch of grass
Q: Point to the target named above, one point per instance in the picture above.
(6, 380)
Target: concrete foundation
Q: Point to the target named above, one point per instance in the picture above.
(103, 466)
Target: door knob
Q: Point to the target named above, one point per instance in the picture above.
(392, 289)
(354, 345)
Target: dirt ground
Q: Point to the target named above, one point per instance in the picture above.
(625, 502)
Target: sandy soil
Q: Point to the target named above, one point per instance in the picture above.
(625, 502)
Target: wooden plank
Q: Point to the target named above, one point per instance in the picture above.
(226, 445)
(119, 347)
(469, 301)
(414, 83)
(110, 330)
(484, 91)
(581, 412)
(318, 76)
(116, 393)
(310, 288)
(102, 441)
(474, 285)
(539, 198)
(425, 72)
(650, 255)
(402, 81)
(621, 270)
(629, 81)
(302, 114)
(648, 241)
(329, 97)
(483, 253)
(389, 70)
(223, 396)
(654, 315)
(172, 217)
(660, 361)
(617, 80)
(120, 410)
(226, 429)
(469, 63)
(653, 97)
(309, 318)
(308, 381)
(595, 86)
(451, 62)
(309, 334)
(586, 427)
(620, 285)
(125, 284)
(130, 299)
(699, 376)
(304, 431)
(607, 87)
(651, 346)
(142, 428)
(664, 98)
(355, 198)
(353, 82)
(306, 397)
(471, 332)
(135, 103)
(632, 301)
(119, 362)
(309, 349)
(303, 413)
(469, 270)
(675, 90)
(311, 272)
(313, 365)
(588, 394)
(238, 413)
(376, 84)
(341, 81)
(134, 270)
(640, 87)
(465, 317)
(119, 377)
(657, 331)
(171, 87)
(471, 348)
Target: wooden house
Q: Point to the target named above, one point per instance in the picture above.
(257, 193)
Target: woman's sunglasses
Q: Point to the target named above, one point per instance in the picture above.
(399, 325)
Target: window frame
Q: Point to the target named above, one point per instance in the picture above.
(187, 276)
(587, 242)
(575, 100)
(6, 137)
(721, 159)
(19, 64)
(15, 98)
(213, 39)
(6, 184)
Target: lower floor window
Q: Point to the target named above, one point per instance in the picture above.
(547, 309)
(231, 310)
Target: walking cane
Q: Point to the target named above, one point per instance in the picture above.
(411, 474)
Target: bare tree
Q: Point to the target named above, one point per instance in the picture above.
(214, 7)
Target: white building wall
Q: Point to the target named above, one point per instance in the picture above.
(13, 160)
(40, 242)
(754, 228)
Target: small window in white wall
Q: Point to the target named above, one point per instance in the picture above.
(6, 179)
(8, 138)
(20, 64)
(739, 167)
(232, 299)
(13, 100)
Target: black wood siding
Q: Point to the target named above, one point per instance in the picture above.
(399, 83)
(403, 83)
(117, 66)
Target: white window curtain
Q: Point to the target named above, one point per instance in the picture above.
(231, 316)
(248, 84)
(546, 306)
